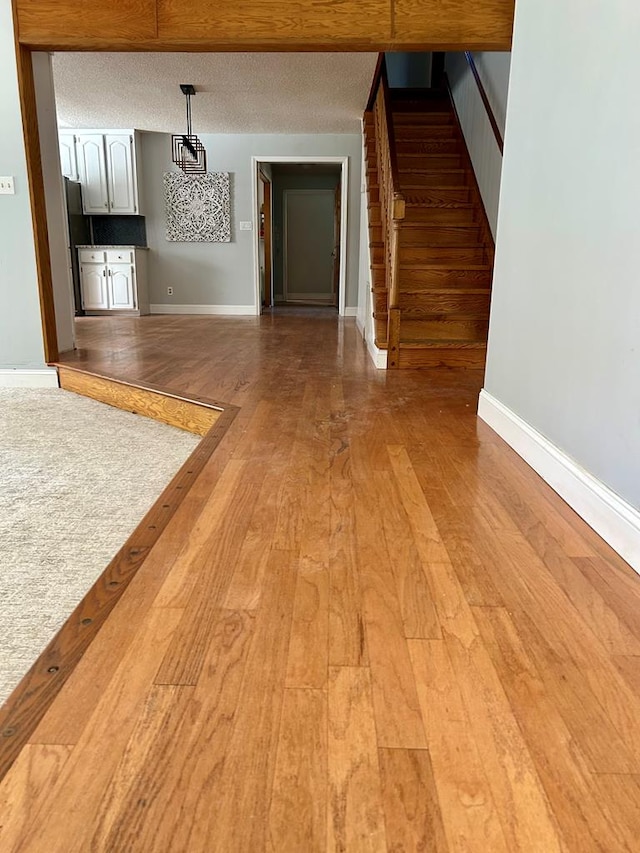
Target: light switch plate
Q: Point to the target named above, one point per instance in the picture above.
(7, 187)
(246, 226)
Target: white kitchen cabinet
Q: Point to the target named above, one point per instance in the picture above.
(95, 295)
(114, 279)
(68, 156)
(120, 285)
(92, 169)
(107, 170)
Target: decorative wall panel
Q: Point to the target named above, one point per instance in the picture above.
(198, 207)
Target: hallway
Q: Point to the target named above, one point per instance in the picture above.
(368, 627)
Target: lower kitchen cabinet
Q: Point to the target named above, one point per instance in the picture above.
(113, 280)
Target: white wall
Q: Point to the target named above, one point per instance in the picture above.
(493, 69)
(222, 274)
(564, 341)
(21, 343)
(54, 200)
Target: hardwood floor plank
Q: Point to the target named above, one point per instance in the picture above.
(86, 774)
(356, 816)
(469, 815)
(586, 818)
(516, 787)
(245, 587)
(184, 658)
(239, 809)
(397, 711)
(347, 638)
(146, 759)
(308, 657)
(298, 812)
(196, 779)
(414, 592)
(412, 810)
(36, 769)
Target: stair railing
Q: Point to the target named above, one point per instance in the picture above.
(392, 203)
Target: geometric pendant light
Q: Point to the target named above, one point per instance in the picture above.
(187, 151)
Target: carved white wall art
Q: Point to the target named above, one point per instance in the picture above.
(198, 207)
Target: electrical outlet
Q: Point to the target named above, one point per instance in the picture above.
(169, 291)
(7, 187)
(246, 226)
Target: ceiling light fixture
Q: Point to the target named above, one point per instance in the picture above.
(187, 150)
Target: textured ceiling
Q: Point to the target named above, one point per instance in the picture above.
(236, 92)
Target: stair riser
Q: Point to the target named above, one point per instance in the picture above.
(407, 162)
(424, 280)
(471, 359)
(415, 305)
(404, 119)
(450, 255)
(469, 329)
(431, 146)
(376, 254)
(442, 196)
(410, 180)
(441, 215)
(375, 233)
(440, 236)
(426, 132)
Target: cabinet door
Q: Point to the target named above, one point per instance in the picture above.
(68, 160)
(93, 282)
(93, 173)
(121, 286)
(121, 173)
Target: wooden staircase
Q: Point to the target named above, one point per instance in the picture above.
(445, 249)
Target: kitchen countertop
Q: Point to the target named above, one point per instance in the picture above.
(105, 246)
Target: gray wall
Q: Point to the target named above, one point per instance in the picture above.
(408, 70)
(564, 343)
(223, 273)
(20, 326)
(493, 69)
(291, 182)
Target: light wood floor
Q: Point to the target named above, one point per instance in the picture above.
(369, 626)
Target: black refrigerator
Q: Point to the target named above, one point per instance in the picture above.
(79, 235)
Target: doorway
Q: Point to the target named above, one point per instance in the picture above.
(308, 230)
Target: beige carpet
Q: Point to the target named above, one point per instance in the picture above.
(76, 477)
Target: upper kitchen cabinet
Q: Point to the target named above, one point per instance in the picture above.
(68, 159)
(107, 172)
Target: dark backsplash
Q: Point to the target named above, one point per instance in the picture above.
(119, 231)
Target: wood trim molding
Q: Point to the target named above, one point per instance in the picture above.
(485, 100)
(195, 416)
(27, 93)
(375, 83)
(615, 520)
(26, 706)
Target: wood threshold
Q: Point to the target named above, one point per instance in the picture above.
(31, 699)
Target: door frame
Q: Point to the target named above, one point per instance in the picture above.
(343, 162)
(267, 185)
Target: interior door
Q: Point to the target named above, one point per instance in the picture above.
(309, 246)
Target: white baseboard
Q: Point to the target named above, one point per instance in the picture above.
(236, 310)
(606, 512)
(378, 356)
(41, 377)
(350, 312)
